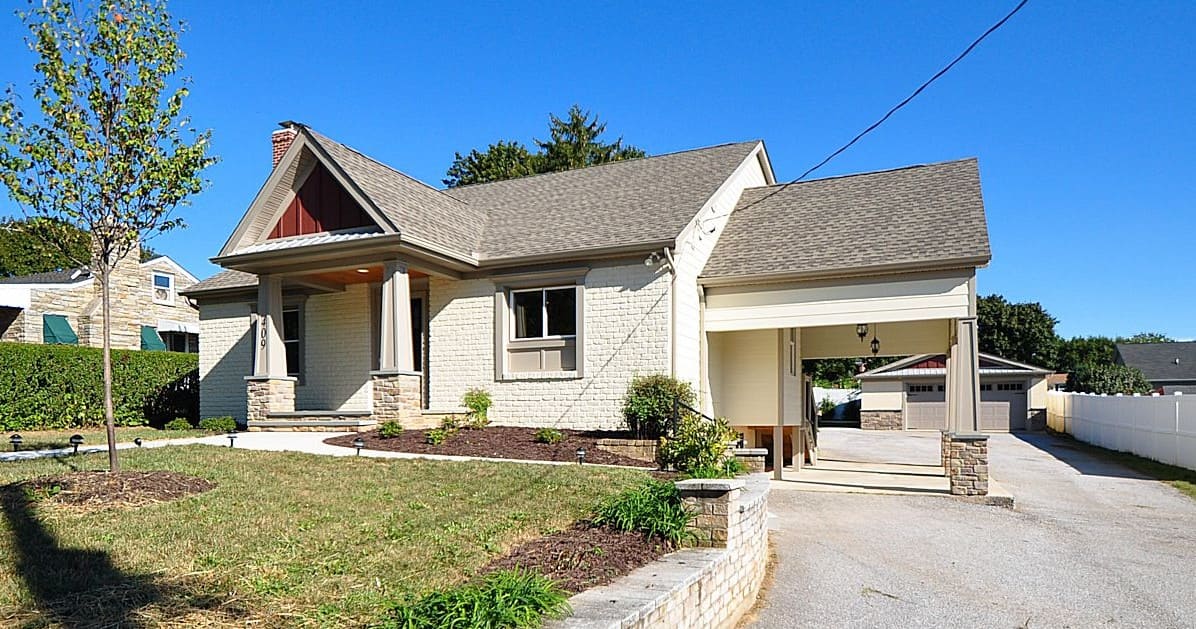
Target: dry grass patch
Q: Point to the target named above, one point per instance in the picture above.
(282, 538)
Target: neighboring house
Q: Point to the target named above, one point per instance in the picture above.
(911, 394)
(1170, 367)
(354, 293)
(148, 311)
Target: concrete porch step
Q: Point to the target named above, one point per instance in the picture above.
(315, 421)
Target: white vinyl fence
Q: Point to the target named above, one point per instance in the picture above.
(1162, 428)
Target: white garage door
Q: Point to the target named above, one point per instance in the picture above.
(1002, 407)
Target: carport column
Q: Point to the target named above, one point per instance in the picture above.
(963, 399)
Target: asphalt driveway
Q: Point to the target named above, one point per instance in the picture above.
(1090, 544)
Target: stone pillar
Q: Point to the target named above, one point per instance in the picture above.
(396, 396)
(881, 420)
(270, 356)
(396, 352)
(967, 464)
(268, 395)
(945, 452)
(713, 500)
(753, 459)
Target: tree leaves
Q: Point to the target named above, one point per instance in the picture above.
(574, 142)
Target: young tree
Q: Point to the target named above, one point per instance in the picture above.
(574, 142)
(107, 152)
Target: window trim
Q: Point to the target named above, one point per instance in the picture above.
(544, 336)
(504, 325)
(172, 298)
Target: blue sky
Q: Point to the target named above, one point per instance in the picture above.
(1081, 113)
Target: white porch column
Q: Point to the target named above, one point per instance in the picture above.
(963, 401)
(396, 352)
(270, 356)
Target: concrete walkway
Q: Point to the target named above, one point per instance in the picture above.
(308, 442)
(1090, 543)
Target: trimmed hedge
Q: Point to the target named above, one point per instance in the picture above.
(62, 386)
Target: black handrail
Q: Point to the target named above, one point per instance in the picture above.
(675, 418)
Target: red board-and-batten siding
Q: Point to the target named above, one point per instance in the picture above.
(940, 362)
(322, 205)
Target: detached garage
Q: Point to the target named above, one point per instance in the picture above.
(910, 394)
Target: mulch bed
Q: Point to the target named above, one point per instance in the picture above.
(583, 557)
(99, 490)
(500, 442)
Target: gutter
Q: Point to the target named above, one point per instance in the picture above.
(866, 271)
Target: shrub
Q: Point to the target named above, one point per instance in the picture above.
(178, 423)
(648, 405)
(1107, 379)
(61, 386)
(653, 508)
(437, 436)
(478, 402)
(218, 424)
(390, 429)
(549, 436)
(450, 422)
(508, 598)
(730, 467)
(697, 443)
(826, 407)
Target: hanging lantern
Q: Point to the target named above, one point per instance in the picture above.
(861, 330)
(875, 346)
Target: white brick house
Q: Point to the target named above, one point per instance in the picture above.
(354, 293)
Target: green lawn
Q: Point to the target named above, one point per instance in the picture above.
(284, 539)
(48, 439)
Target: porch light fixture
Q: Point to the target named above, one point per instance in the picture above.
(15, 440)
(76, 441)
(232, 437)
(861, 330)
(581, 456)
(137, 442)
(875, 346)
(359, 443)
(740, 444)
(652, 260)
(363, 271)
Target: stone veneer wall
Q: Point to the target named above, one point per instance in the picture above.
(396, 397)
(269, 395)
(641, 449)
(967, 464)
(12, 325)
(626, 333)
(695, 588)
(881, 420)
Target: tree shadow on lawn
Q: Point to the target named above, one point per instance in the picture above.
(77, 588)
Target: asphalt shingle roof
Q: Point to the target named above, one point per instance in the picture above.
(635, 201)
(227, 279)
(66, 276)
(920, 214)
(1161, 361)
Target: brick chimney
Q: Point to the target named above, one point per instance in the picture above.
(282, 138)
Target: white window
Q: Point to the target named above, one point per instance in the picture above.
(544, 313)
(921, 388)
(292, 340)
(163, 289)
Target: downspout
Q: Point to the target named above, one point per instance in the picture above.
(668, 255)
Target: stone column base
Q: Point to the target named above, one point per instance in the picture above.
(881, 420)
(397, 396)
(967, 464)
(267, 395)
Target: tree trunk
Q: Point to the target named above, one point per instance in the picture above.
(109, 419)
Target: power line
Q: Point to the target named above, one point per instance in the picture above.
(897, 107)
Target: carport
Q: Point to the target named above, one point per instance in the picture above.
(902, 282)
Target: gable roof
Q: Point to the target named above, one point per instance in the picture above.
(646, 200)
(990, 365)
(228, 279)
(919, 216)
(1160, 361)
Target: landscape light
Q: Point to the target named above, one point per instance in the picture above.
(232, 436)
(15, 440)
(359, 443)
(137, 442)
(581, 456)
(76, 440)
